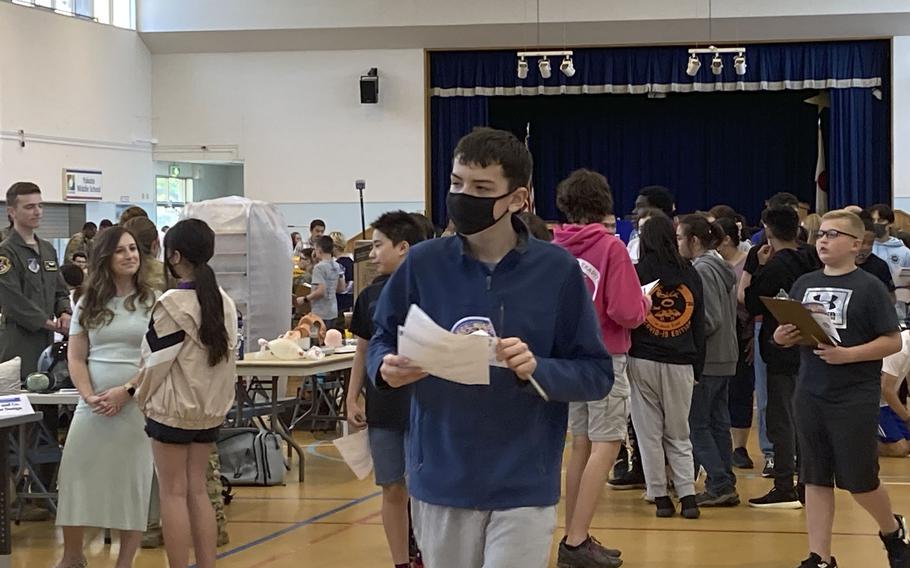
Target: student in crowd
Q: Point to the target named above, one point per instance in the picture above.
(33, 294)
(297, 243)
(651, 197)
(598, 427)
(429, 231)
(104, 225)
(345, 298)
(609, 223)
(74, 277)
(317, 230)
(327, 281)
(837, 398)
(893, 418)
(387, 414)
(782, 199)
(743, 384)
(666, 357)
(537, 226)
(132, 212)
(811, 224)
(80, 259)
(890, 249)
(866, 260)
(484, 472)
(781, 261)
(81, 242)
(107, 484)
(709, 417)
(147, 239)
(185, 388)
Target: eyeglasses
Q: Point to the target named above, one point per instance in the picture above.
(832, 234)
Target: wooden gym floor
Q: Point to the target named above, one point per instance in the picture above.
(332, 520)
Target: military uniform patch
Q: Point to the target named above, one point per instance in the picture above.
(5, 264)
(33, 265)
(50, 266)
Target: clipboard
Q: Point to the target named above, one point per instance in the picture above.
(790, 311)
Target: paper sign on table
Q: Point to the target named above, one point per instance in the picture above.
(355, 450)
(649, 287)
(462, 359)
(15, 405)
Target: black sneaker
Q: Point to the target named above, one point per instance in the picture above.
(777, 499)
(621, 465)
(706, 499)
(815, 561)
(689, 508)
(768, 471)
(741, 459)
(665, 507)
(589, 554)
(898, 545)
(631, 480)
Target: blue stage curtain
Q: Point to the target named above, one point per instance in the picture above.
(731, 148)
(451, 118)
(859, 160)
(637, 70)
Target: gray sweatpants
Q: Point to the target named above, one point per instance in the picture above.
(661, 398)
(466, 538)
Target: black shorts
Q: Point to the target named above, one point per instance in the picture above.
(169, 435)
(838, 444)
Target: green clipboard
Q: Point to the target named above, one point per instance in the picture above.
(790, 311)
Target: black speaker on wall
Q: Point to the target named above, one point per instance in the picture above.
(369, 87)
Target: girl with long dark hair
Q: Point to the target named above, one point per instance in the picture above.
(186, 387)
(106, 470)
(667, 355)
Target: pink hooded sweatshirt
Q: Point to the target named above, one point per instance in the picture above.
(611, 279)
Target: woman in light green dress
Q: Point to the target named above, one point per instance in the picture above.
(106, 471)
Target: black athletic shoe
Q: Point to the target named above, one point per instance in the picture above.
(741, 459)
(590, 554)
(689, 508)
(621, 465)
(665, 507)
(631, 480)
(768, 470)
(898, 545)
(777, 499)
(815, 561)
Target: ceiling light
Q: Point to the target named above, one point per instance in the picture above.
(739, 64)
(522, 68)
(717, 64)
(544, 66)
(693, 66)
(567, 67)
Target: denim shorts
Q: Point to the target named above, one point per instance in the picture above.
(387, 446)
(170, 435)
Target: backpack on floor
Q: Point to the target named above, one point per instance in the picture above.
(250, 456)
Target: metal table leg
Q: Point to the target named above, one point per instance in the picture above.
(278, 428)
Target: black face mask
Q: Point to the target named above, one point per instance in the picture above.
(170, 268)
(880, 229)
(472, 214)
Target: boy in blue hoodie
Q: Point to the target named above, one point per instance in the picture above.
(484, 462)
(890, 249)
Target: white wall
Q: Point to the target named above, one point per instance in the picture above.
(295, 120)
(83, 87)
(900, 126)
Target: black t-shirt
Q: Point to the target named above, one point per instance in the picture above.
(751, 264)
(390, 408)
(861, 310)
(346, 301)
(879, 268)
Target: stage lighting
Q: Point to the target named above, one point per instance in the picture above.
(522, 68)
(544, 67)
(694, 66)
(717, 64)
(567, 67)
(739, 64)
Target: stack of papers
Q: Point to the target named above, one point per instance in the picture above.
(355, 450)
(463, 359)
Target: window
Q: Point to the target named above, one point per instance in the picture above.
(121, 13)
(171, 194)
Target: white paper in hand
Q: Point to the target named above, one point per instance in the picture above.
(462, 359)
(649, 287)
(355, 450)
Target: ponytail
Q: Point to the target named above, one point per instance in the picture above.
(710, 235)
(212, 333)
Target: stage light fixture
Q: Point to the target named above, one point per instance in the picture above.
(567, 67)
(544, 66)
(739, 64)
(522, 68)
(717, 64)
(693, 66)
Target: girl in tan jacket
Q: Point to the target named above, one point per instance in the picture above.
(185, 388)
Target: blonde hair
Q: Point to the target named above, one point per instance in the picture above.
(338, 239)
(857, 227)
(812, 223)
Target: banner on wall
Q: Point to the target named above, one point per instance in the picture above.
(82, 185)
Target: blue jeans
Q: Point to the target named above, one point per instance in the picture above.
(709, 426)
(761, 396)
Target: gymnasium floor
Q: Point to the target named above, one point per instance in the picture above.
(332, 521)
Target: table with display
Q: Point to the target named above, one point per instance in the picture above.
(6, 427)
(269, 373)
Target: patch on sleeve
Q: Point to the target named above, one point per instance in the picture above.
(5, 264)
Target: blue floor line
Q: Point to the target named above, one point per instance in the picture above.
(295, 526)
(311, 449)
